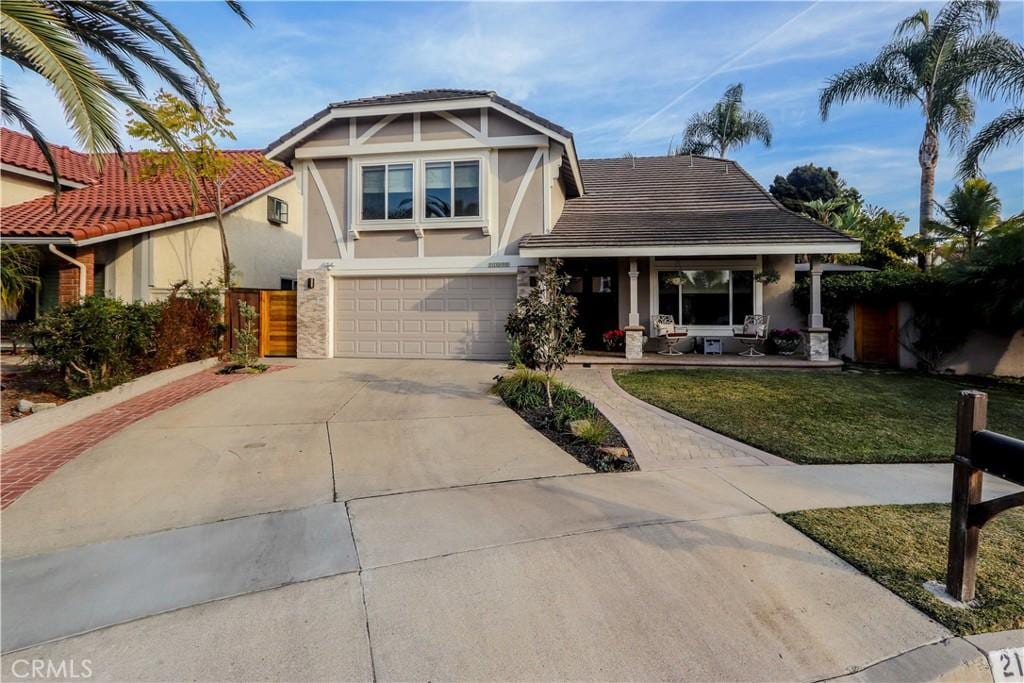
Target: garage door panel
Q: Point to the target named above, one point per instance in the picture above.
(431, 317)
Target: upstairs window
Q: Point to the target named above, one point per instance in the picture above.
(452, 189)
(387, 192)
(277, 210)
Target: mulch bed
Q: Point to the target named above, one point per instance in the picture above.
(543, 421)
(20, 381)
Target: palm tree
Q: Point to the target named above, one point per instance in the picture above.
(930, 64)
(850, 219)
(1008, 127)
(824, 211)
(53, 37)
(971, 211)
(727, 125)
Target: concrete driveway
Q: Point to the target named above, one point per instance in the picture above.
(356, 520)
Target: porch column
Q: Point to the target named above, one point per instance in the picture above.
(816, 320)
(634, 315)
(817, 333)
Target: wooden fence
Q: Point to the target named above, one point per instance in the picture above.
(275, 323)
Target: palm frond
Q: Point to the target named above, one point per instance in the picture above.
(14, 113)
(755, 125)
(40, 39)
(1005, 129)
(876, 80)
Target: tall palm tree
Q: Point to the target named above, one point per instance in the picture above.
(971, 210)
(56, 38)
(1008, 127)
(929, 64)
(726, 126)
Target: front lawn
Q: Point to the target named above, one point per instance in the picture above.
(903, 546)
(818, 417)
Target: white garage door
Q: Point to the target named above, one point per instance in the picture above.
(423, 317)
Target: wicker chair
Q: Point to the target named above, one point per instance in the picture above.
(666, 329)
(753, 332)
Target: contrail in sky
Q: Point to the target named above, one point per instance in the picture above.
(720, 68)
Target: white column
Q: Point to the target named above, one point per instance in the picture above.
(634, 314)
(816, 320)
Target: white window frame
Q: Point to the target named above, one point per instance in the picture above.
(419, 220)
(427, 220)
(699, 330)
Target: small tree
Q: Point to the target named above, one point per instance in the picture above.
(197, 132)
(246, 352)
(543, 324)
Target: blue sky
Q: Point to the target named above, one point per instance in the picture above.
(622, 77)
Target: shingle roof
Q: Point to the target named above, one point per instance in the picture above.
(431, 95)
(675, 201)
(18, 149)
(119, 200)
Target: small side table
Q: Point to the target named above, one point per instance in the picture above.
(712, 346)
(672, 342)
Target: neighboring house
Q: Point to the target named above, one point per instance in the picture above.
(118, 235)
(427, 212)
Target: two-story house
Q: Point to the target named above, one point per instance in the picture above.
(425, 214)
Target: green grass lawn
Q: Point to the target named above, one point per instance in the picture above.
(822, 417)
(903, 546)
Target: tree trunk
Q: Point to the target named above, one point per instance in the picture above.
(928, 158)
(224, 254)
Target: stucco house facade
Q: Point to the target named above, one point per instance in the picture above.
(427, 213)
(117, 234)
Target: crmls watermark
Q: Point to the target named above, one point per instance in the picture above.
(42, 669)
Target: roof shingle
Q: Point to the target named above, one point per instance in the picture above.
(119, 200)
(675, 201)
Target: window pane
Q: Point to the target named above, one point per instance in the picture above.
(705, 297)
(400, 191)
(742, 295)
(439, 190)
(373, 193)
(668, 295)
(601, 284)
(467, 188)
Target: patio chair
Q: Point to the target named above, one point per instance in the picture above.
(753, 332)
(665, 328)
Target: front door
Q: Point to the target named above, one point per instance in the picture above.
(595, 284)
(875, 337)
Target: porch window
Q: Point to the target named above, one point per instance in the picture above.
(452, 189)
(706, 297)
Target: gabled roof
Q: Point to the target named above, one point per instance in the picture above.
(691, 204)
(119, 200)
(20, 150)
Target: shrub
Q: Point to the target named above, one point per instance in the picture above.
(594, 430)
(189, 328)
(96, 343)
(246, 352)
(522, 389)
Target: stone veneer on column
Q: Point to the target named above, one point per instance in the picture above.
(313, 314)
(525, 278)
(635, 342)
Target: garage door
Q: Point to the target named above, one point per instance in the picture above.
(423, 317)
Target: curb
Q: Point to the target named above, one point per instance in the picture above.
(23, 430)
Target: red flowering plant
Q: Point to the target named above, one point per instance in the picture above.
(785, 341)
(614, 340)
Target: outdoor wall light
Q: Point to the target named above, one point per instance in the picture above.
(310, 283)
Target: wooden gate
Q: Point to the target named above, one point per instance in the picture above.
(277, 322)
(876, 334)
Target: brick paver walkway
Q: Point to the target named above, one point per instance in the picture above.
(660, 440)
(23, 467)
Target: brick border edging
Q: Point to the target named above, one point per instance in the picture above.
(31, 427)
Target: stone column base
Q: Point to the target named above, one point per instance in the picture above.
(635, 342)
(526, 280)
(817, 343)
(313, 314)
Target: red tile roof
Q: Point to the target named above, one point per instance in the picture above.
(18, 149)
(120, 201)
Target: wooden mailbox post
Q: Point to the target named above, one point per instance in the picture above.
(978, 451)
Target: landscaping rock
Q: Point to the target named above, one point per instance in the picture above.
(36, 407)
(613, 452)
(577, 426)
(24, 406)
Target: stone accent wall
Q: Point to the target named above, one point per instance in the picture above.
(525, 278)
(68, 274)
(313, 313)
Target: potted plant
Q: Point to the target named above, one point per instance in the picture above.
(785, 341)
(614, 340)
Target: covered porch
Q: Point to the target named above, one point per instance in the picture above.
(707, 298)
